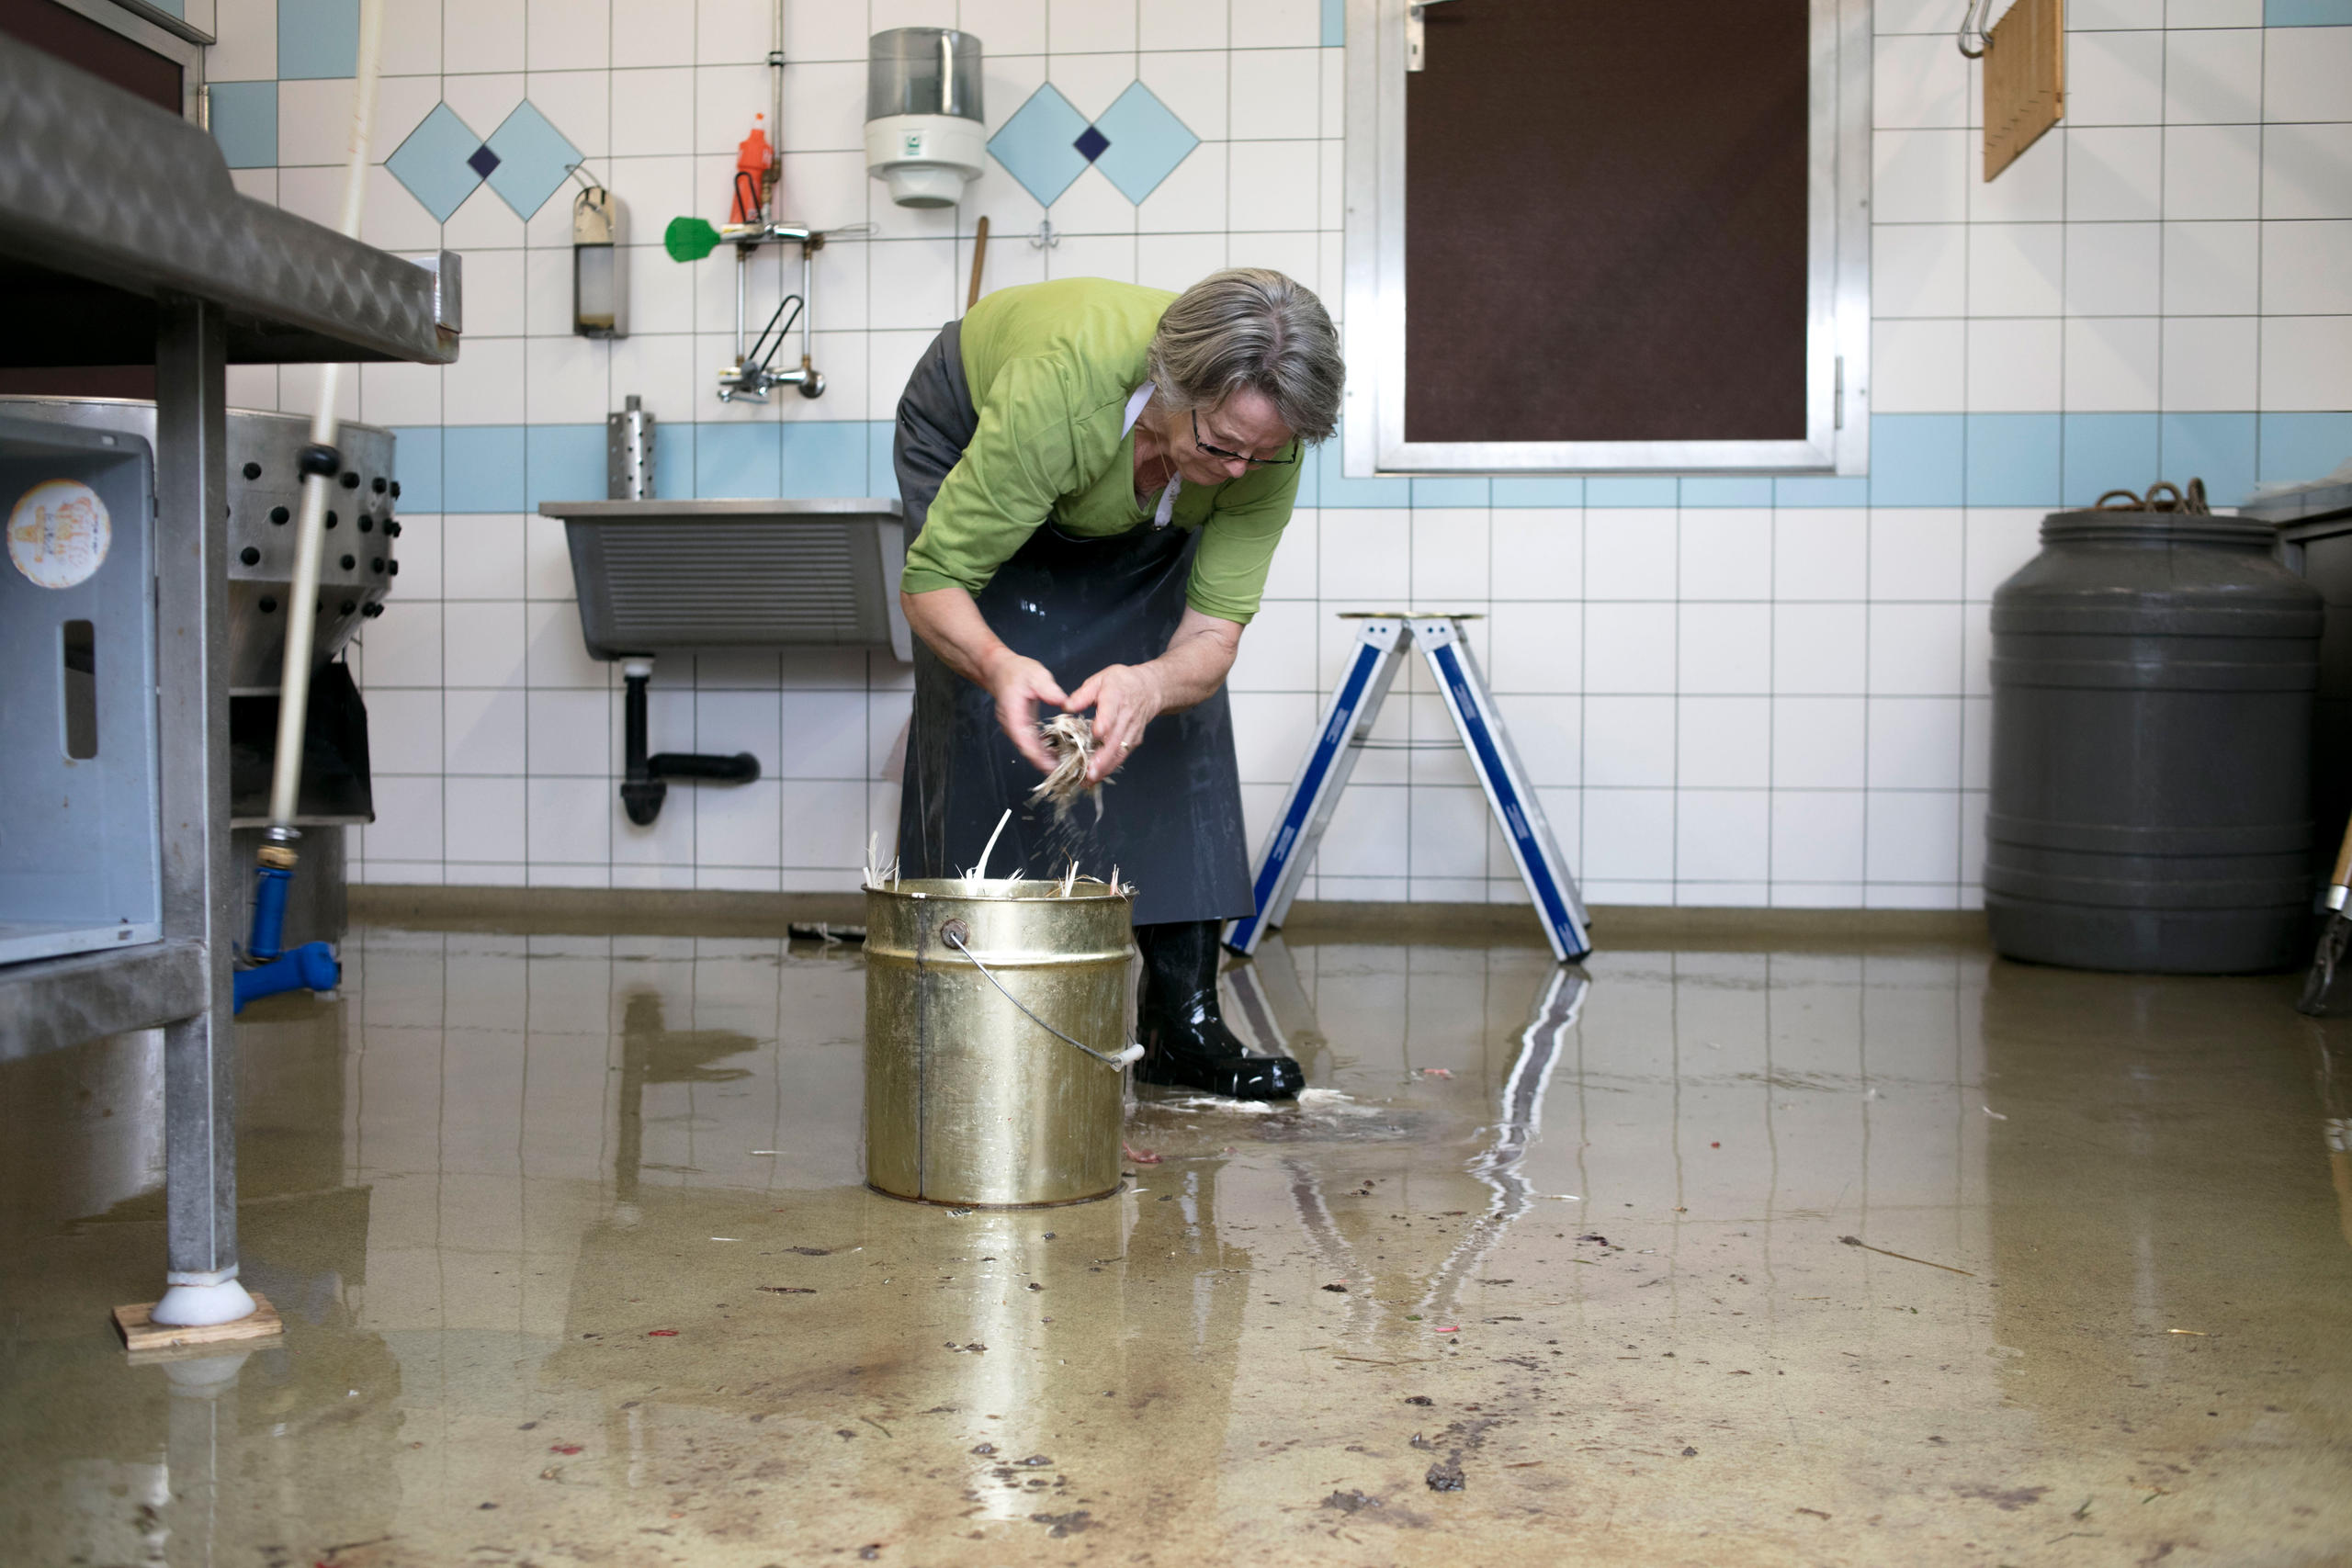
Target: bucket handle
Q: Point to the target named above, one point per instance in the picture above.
(953, 932)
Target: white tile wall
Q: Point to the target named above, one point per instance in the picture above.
(1735, 704)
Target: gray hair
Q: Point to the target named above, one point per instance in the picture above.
(1251, 327)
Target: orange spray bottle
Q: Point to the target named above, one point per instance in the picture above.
(752, 163)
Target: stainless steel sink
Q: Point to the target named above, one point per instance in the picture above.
(658, 577)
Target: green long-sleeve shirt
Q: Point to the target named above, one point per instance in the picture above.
(1051, 367)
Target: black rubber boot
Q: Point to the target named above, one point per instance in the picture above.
(1185, 1041)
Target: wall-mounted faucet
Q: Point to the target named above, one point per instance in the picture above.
(754, 372)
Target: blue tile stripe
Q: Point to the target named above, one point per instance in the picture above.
(1452, 493)
(2097, 449)
(1641, 490)
(2023, 460)
(2295, 447)
(2306, 13)
(1546, 491)
(2223, 450)
(2012, 460)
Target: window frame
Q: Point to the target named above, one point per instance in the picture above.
(1837, 310)
(158, 32)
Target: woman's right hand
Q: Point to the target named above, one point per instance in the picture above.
(1019, 683)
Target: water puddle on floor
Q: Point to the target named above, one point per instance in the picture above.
(1790, 1256)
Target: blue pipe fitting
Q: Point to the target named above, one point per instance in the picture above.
(269, 912)
(310, 967)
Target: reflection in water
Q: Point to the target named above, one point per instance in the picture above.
(651, 1055)
(176, 1456)
(576, 1260)
(2335, 1124)
(1274, 1010)
(1517, 1127)
(2156, 1180)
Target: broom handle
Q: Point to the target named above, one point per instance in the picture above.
(2339, 885)
(310, 540)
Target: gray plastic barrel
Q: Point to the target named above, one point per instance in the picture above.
(2153, 676)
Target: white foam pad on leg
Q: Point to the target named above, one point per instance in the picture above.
(200, 1306)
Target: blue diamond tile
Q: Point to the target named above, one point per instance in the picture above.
(534, 159)
(1038, 145)
(1145, 142)
(483, 161)
(432, 163)
(1090, 143)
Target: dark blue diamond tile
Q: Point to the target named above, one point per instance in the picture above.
(1091, 144)
(483, 161)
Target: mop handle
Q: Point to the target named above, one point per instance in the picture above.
(320, 461)
(2339, 882)
(1109, 1059)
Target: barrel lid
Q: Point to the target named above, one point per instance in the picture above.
(2155, 528)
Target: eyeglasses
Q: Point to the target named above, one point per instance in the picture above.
(1219, 451)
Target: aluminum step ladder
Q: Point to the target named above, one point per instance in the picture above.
(1347, 725)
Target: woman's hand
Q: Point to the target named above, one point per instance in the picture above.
(951, 627)
(1124, 697)
(1019, 683)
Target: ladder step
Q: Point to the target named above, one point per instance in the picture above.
(1345, 732)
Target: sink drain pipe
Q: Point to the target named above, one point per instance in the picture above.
(310, 966)
(644, 780)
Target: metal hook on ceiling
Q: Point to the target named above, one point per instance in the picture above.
(1972, 24)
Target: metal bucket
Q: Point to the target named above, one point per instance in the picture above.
(968, 1099)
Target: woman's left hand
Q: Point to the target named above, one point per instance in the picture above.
(1124, 697)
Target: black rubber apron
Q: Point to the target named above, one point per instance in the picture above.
(1172, 816)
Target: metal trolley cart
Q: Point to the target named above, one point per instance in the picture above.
(123, 241)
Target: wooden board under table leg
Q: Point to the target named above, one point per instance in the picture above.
(139, 1332)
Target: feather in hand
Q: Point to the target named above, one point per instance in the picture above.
(1070, 738)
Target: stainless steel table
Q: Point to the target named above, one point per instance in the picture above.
(123, 240)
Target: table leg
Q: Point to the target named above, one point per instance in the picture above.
(200, 890)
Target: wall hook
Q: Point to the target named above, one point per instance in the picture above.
(1972, 28)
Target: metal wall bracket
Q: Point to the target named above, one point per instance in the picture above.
(1416, 34)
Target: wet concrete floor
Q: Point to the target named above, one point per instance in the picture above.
(1809, 1257)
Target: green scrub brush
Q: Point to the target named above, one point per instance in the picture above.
(689, 238)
